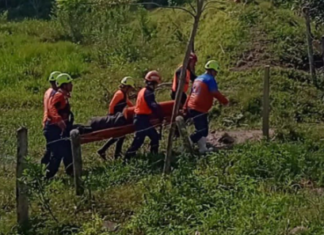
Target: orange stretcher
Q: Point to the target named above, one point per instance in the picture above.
(117, 132)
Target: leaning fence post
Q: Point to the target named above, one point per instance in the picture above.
(21, 188)
(184, 134)
(323, 50)
(266, 103)
(77, 161)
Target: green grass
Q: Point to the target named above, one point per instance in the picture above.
(253, 189)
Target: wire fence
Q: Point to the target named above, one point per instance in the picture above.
(189, 120)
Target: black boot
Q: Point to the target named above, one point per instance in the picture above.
(155, 149)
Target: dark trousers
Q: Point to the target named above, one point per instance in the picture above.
(183, 97)
(47, 155)
(110, 142)
(200, 121)
(143, 128)
(58, 148)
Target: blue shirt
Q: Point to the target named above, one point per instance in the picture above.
(209, 80)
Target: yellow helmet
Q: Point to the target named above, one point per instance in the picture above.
(212, 64)
(53, 76)
(63, 78)
(128, 81)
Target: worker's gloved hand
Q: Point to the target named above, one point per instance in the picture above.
(62, 125)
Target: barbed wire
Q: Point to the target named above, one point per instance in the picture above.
(122, 136)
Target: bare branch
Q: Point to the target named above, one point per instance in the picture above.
(192, 7)
(200, 9)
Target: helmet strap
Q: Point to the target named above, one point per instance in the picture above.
(211, 72)
(151, 85)
(53, 83)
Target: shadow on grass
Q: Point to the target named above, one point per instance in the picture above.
(40, 225)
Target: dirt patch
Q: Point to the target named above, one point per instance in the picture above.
(257, 56)
(225, 140)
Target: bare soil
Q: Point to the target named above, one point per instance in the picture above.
(225, 140)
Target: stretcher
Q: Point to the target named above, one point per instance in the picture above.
(117, 132)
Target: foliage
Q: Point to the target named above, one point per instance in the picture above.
(72, 16)
(18, 9)
(111, 29)
(230, 192)
(316, 9)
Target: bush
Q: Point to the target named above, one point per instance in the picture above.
(109, 29)
(72, 14)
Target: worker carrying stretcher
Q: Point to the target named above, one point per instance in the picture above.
(58, 124)
(49, 92)
(203, 92)
(190, 76)
(119, 101)
(145, 107)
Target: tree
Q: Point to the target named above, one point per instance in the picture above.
(316, 9)
(196, 13)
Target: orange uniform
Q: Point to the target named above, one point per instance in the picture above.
(204, 90)
(141, 106)
(50, 92)
(119, 102)
(58, 107)
(176, 77)
(145, 106)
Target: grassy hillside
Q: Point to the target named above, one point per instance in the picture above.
(256, 188)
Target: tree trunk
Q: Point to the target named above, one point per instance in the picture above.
(167, 161)
(310, 45)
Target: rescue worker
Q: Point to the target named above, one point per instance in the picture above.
(204, 90)
(144, 108)
(58, 126)
(190, 76)
(119, 101)
(49, 91)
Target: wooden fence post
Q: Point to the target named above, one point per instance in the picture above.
(77, 161)
(266, 103)
(184, 134)
(310, 45)
(21, 188)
